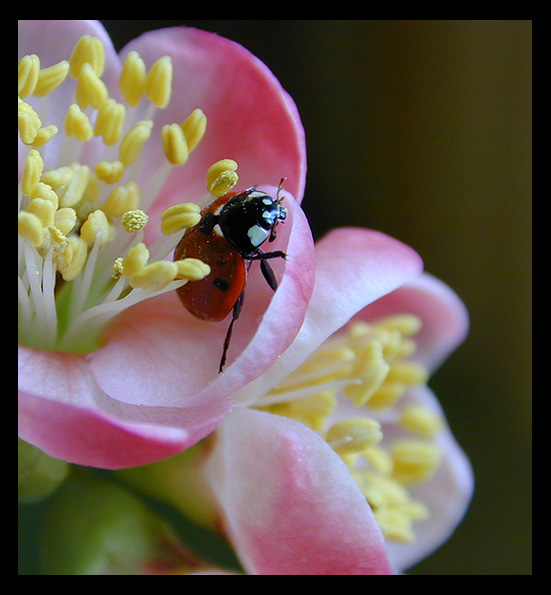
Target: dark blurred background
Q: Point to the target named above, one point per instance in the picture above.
(422, 129)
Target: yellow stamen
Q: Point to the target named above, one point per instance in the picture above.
(42, 190)
(180, 217)
(421, 421)
(222, 177)
(77, 124)
(369, 363)
(122, 199)
(88, 50)
(110, 121)
(68, 213)
(72, 261)
(27, 74)
(132, 79)
(90, 90)
(134, 220)
(50, 78)
(372, 368)
(158, 82)
(110, 172)
(44, 135)
(29, 227)
(192, 269)
(44, 209)
(155, 275)
(350, 436)
(34, 165)
(95, 228)
(28, 122)
(135, 260)
(133, 141)
(194, 127)
(415, 461)
(65, 219)
(174, 144)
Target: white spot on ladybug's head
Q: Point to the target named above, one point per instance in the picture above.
(257, 235)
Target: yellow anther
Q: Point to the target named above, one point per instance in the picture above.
(56, 241)
(43, 209)
(350, 436)
(72, 259)
(179, 217)
(155, 275)
(110, 172)
(96, 228)
(34, 165)
(77, 124)
(122, 199)
(132, 79)
(174, 144)
(65, 219)
(42, 190)
(421, 421)
(134, 220)
(192, 269)
(27, 74)
(88, 50)
(387, 396)
(406, 324)
(50, 78)
(408, 373)
(379, 460)
(222, 177)
(110, 121)
(135, 260)
(58, 177)
(194, 127)
(312, 410)
(76, 187)
(133, 141)
(414, 460)
(395, 525)
(372, 369)
(44, 135)
(380, 490)
(28, 122)
(118, 268)
(90, 90)
(158, 82)
(29, 227)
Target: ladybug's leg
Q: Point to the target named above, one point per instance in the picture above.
(236, 312)
(266, 269)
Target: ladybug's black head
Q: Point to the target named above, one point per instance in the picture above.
(249, 219)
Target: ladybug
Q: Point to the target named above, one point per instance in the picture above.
(228, 238)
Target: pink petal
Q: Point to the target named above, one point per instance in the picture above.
(250, 117)
(289, 503)
(64, 413)
(444, 315)
(354, 268)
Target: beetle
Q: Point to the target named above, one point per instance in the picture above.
(228, 238)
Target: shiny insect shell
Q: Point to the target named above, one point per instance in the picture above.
(228, 238)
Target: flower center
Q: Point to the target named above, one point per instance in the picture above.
(82, 210)
(389, 442)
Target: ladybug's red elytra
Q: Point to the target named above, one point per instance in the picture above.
(228, 238)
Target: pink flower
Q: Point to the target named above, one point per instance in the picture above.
(315, 474)
(116, 374)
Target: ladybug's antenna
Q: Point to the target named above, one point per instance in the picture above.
(279, 189)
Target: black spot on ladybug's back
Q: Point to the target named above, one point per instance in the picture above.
(221, 284)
